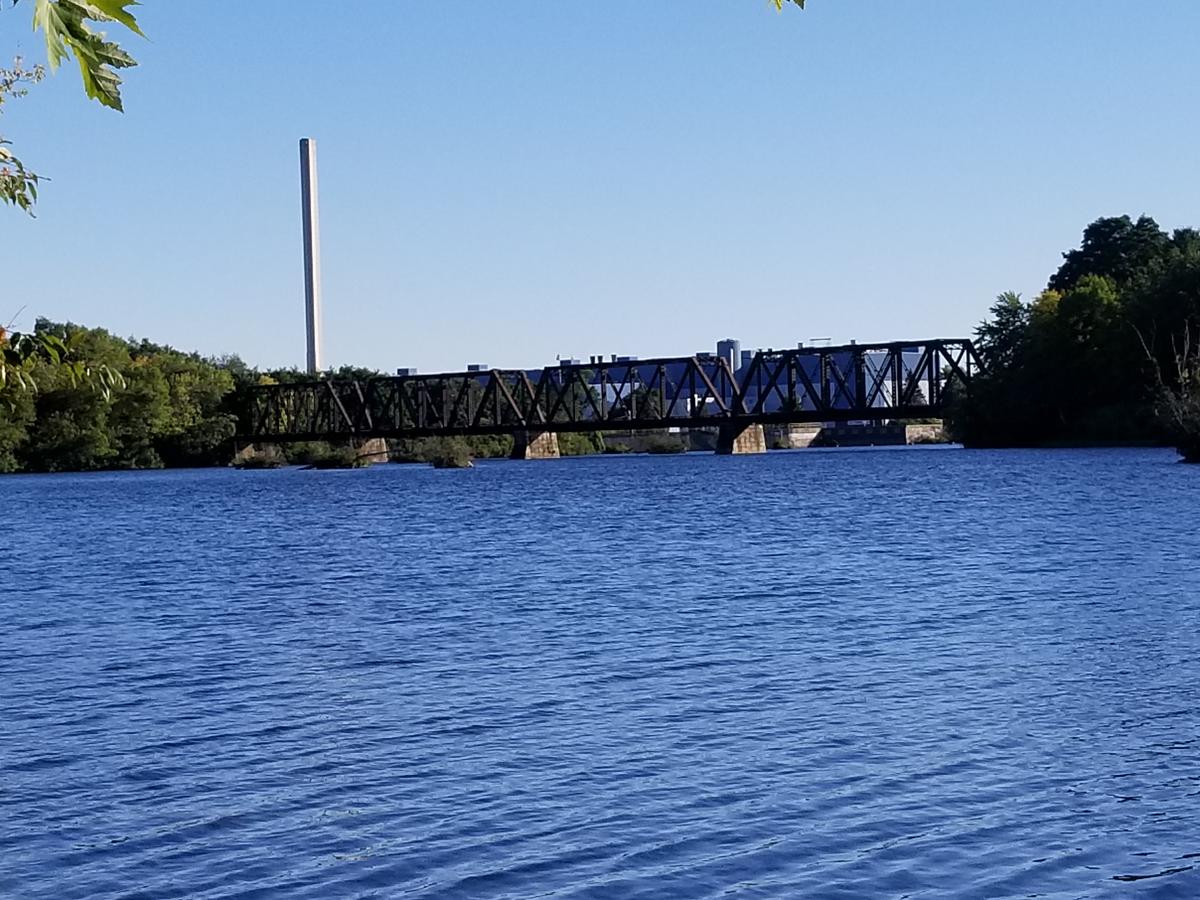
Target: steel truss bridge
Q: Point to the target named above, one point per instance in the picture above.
(855, 382)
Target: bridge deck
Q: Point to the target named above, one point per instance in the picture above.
(868, 382)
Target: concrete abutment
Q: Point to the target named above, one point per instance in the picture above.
(535, 445)
(738, 439)
(372, 450)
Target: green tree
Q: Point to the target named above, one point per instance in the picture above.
(1004, 337)
(200, 422)
(999, 407)
(17, 412)
(139, 415)
(70, 431)
(174, 409)
(582, 443)
(1093, 357)
(1117, 248)
(1164, 303)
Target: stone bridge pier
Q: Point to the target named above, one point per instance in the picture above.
(535, 445)
(738, 438)
(373, 450)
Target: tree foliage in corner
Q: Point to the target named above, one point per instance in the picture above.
(66, 25)
(18, 185)
(69, 27)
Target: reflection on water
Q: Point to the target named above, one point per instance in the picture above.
(833, 674)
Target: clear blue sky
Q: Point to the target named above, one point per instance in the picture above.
(503, 182)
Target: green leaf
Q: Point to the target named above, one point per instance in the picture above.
(65, 26)
(117, 11)
(53, 347)
(48, 18)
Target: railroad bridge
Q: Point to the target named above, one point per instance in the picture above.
(850, 383)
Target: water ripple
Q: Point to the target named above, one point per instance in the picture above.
(908, 674)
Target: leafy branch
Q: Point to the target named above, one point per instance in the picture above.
(68, 28)
(18, 185)
(65, 24)
(20, 351)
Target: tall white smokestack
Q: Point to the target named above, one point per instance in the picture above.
(312, 252)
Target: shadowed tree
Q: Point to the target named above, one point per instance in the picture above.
(1116, 248)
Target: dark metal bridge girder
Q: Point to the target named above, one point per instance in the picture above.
(899, 379)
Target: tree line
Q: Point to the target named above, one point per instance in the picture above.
(1109, 352)
(98, 401)
(160, 408)
(1105, 354)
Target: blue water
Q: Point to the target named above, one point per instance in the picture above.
(834, 674)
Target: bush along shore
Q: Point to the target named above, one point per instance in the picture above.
(1108, 353)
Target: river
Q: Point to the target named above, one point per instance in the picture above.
(905, 673)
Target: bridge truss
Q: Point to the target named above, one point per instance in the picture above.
(855, 382)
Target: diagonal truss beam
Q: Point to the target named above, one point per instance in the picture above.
(868, 381)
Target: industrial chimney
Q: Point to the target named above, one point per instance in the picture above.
(312, 252)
